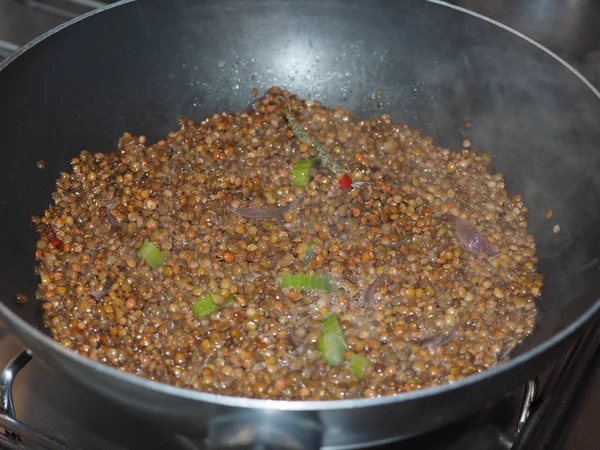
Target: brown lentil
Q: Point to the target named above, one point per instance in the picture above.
(395, 225)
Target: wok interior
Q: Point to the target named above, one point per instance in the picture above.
(427, 65)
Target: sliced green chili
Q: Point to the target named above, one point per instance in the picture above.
(205, 306)
(151, 254)
(358, 364)
(306, 282)
(331, 324)
(332, 344)
(301, 172)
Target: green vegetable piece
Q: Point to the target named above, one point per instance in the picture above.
(306, 282)
(332, 348)
(151, 254)
(331, 325)
(332, 343)
(204, 307)
(301, 172)
(358, 364)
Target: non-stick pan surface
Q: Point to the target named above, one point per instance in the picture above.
(139, 66)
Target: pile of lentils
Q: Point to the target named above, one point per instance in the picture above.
(437, 310)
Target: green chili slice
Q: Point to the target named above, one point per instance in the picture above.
(358, 364)
(332, 344)
(306, 282)
(301, 172)
(205, 306)
(151, 255)
(331, 324)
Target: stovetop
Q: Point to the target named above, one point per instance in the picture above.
(563, 413)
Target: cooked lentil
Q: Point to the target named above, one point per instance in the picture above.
(438, 313)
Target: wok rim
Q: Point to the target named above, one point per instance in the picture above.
(15, 322)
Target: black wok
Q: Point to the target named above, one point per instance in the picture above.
(139, 66)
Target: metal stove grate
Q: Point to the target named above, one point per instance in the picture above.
(14, 429)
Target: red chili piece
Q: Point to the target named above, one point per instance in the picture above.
(345, 182)
(57, 243)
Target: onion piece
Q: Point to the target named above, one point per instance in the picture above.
(472, 238)
(437, 340)
(295, 342)
(93, 255)
(105, 289)
(251, 108)
(270, 213)
(368, 295)
(110, 217)
(227, 380)
(504, 352)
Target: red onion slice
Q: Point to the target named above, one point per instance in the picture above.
(110, 217)
(105, 290)
(437, 340)
(472, 238)
(295, 342)
(270, 213)
(368, 295)
(227, 380)
(504, 352)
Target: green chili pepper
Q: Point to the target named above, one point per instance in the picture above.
(301, 172)
(332, 344)
(205, 306)
(358, 364)
(306, 282)
(331, 325)
(151, 254)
